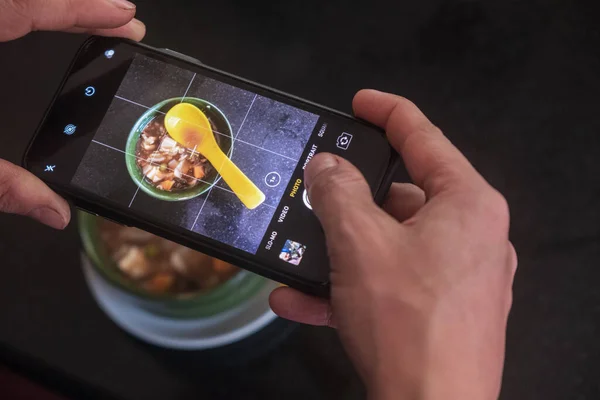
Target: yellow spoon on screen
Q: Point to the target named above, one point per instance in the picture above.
(188, 125)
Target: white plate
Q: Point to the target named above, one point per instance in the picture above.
(189, 334)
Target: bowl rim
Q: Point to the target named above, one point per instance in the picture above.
(208, 298)
(133, 138)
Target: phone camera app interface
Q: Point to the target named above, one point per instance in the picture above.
(196, 152)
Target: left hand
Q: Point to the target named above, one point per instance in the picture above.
(21, 192)
(96, 17)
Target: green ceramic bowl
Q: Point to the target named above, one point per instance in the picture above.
(224, 139)
(228, 295)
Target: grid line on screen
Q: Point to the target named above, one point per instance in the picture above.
(189, 176)
(135, 194)
(188, 88)
(233, 142)
(234, 139)
(217, 132)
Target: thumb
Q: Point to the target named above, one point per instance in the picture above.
(23, 193)
(339, 195)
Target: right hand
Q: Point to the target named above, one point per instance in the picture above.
(421, 289)
(21, 192)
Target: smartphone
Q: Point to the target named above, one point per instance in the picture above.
(157, 140)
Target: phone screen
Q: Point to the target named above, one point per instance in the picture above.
(198, 152)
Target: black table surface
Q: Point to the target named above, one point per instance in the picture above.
(514, 84)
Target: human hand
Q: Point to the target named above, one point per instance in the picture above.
(21, 192)
(421, 289)
(96, 17)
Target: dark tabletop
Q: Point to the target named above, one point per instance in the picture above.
(515, 84)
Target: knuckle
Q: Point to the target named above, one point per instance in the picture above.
(492, 209)
(352, 234)
(402, 101)
(425, 133)
(431, 130)
(407, 111)
(21, 6)
(334, 182)
(444, 176)
(513, 261)
(7, 181)
(22, 9)
(497, 206)
(486, 208)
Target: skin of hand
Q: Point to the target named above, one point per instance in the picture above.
(21, 192)
(421, 288)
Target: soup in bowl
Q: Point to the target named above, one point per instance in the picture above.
(161, 276)
(163, 168)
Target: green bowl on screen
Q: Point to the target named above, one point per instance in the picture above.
(200, 304)
(224, 139)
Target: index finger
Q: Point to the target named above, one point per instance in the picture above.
(433, 162)
(109, 17)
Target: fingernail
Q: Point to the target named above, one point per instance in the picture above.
(377, 93)
(124, 4)
(318, 164)
(138, 27)
(48, 216)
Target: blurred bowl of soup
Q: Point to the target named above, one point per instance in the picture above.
(161, 276)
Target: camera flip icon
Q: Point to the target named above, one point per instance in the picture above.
(343, 141)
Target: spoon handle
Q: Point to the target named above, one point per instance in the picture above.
(239, 183)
